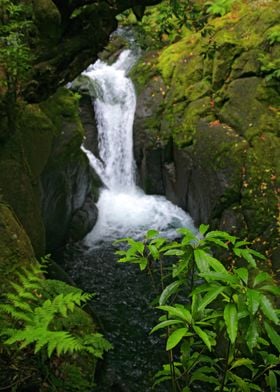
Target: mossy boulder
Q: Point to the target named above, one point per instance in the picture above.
(23, 157)
(47, 18)
(15, 247)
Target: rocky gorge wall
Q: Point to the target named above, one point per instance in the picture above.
(47, 188)
(207, 124)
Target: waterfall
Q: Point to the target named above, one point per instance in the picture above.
(124, 209)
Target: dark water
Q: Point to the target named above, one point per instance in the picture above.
(122, 303)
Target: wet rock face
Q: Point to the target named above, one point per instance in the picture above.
(68, 183)
(207, 124)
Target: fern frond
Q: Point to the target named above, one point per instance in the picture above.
(14, 313)
(96, 344)
(15, 300)
(23, 292)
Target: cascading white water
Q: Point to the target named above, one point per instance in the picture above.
(124, 209)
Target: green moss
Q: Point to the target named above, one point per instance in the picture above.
(174, 54)
(36, 134)
(259, 191)
(15, 247)
(64, 104)
(144, 71)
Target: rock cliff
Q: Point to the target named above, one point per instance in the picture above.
(207, 123)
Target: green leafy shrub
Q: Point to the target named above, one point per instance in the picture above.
(35, 318)
(270, 67)
(220, 322)
(273, 35)
(219, 7)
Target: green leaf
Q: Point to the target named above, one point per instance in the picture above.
(252, 335)
(242, 273)
(201, 261)
(203, 228)
(271, 289)
(174, 252)
(203, 336)
(221, 234)
(273, 335)
(143, 262)
(165, 324)
(153, 251)
(253, 300)
(168, 291)
(182, 313)
(262, 277)
(181, 265)
(218, 242)
(268, 309)
(246, 254)
(151, 234)
(241, 243)
(272, 381)
(210, 297)
(231, 320)
(242, 362)
(175, 338)
(225, 277)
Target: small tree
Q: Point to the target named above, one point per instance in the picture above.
(15, 54)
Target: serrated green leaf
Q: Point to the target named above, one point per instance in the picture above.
(242, 273)
(181, 265)
(273, 335)
(175, 338)
(168, 291)
(267, 309)
(201, 261)
(252, 335)
(203, 228)
(241, 243)
(224, 277)
(221, 234)
(182, 313)
(246, 254)
(242, 362)
(165, 324)
(153, 251)
(211, 295)
(203, 336)
(218, 242)
(231, 320)
(253, 300)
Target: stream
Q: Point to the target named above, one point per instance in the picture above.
(123, 294)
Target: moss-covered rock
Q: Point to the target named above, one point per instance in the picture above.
(15, 246)
(68, 183)
(225, 75)
(23, 157)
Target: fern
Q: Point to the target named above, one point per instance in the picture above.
(35, 317)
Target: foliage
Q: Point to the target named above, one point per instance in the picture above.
(270, 67)
(222, 333)
(15, 54)
(273, 36)
(166, 22)
(219, 7)
(34, 317)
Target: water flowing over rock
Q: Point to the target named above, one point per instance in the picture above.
(124, 209)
